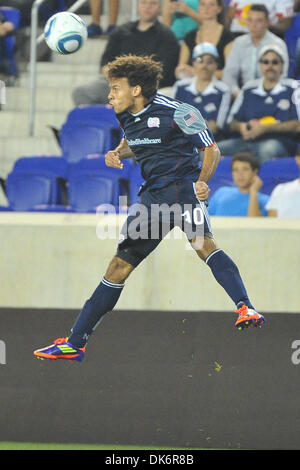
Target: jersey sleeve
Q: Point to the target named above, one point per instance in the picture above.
(191, 122)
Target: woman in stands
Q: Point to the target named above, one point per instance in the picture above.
(212, 29)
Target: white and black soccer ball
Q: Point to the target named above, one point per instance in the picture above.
(65, 32)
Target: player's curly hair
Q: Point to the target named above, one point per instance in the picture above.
(139, 70)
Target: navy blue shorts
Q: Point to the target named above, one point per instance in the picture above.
(159, 211)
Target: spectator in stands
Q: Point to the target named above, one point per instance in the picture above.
(211, 96)
(243, 199)
(284, 201)
(95, 29)
(242, 64)
(181, 16)
(147, 36)
(280, 13)
(211, 30)
(6, 28)
(266, 113)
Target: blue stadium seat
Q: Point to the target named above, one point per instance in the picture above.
(13, 15)
(92, 183)
(24, 191)
(291, 37)
(89, 130)
(54, 164)
(222, 176)
(37, 181)
(278, 171)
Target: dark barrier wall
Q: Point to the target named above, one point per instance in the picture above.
(151, 378)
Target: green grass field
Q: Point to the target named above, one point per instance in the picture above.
(52, 446)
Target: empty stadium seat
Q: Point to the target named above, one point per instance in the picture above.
(92, 183)
(278, 171)
(89, 130)
(37, 181)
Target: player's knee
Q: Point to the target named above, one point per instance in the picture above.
(118, 270)
(208, 246)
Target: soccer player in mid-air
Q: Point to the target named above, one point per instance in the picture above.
(165, 137)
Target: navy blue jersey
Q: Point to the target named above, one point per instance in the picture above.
(254, 102)
(165, 137)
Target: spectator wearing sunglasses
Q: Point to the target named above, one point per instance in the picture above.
(265, 115)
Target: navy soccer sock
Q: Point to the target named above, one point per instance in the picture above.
(102, 301)
(228, 276)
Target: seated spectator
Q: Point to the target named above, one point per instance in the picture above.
(6, 27)
(280, 14)
(147, 36)
(95, 29)
(210, 30)
(266, 113)
(7, 62)
(181, 16)
(211, 96)
(243, 199)
(242, 64)
(284, 201)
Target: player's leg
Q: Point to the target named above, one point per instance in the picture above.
(228, 276)
(131, 252)
(103, 300)
(222, 266)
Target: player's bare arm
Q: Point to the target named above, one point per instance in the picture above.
(210, 162)
(113, 157)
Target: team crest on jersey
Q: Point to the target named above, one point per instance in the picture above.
(153, 122)
(210, 107)
(283, 104)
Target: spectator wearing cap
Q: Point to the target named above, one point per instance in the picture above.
(284, 200)
(265, 115)
(242, 63)
(204, 91)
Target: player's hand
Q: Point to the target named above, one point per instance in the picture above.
(112, 159)
(256, 131)
(256, 184)
(202, 190)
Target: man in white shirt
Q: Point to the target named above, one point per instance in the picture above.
(242, 64)
(280, 14)
(284, 201)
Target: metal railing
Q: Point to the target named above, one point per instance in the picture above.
(34, 41)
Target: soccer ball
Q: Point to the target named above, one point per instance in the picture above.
(65, 32)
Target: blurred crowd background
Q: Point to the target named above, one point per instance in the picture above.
(237, 61)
